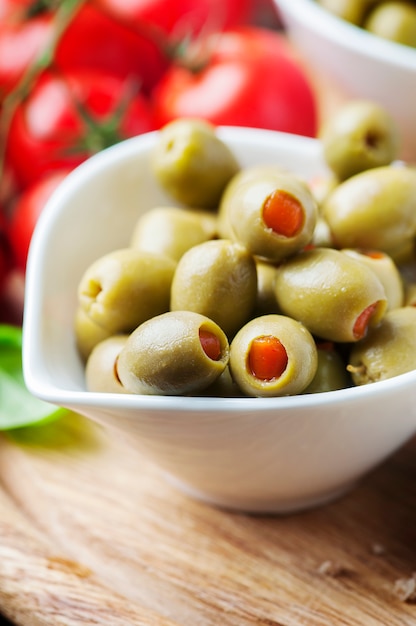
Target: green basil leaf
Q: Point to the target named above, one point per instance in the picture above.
(18, 407)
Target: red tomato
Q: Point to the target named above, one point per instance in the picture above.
(93, 39)
(26, 212)
(14, 9)
(5, 256)
(96, 40)
(250, 79)
(20, 43)
(181, 18)
(66, 119)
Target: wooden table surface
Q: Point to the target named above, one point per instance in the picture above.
(92, 533)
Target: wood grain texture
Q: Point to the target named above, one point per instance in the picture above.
(92, 533)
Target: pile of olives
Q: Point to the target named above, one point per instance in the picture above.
(256, 282)
(394, 20)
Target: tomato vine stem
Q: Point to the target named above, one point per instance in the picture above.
(62, 19)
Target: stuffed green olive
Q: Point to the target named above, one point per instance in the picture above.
(387, 271)
(176, 353)
(388, 350)
(273, 355)
(122, 289)
(335, 296)
(271, 212)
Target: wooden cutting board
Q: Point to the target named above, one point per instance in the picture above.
(92, 533)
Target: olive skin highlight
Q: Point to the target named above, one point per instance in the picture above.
(298, 345)
(122, 289)
(192, 164)
(328, 291)
(388, 350)
(361, 136)
(101, 368)
(165, 355)
(217, 279)
(171, 231)
(244, 210)
(373, 209)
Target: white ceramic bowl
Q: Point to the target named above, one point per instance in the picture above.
(358, 62)
(252, 454)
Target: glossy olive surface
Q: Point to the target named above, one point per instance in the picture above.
(165, 356)
(301, 353)
(126, 287)
(386, 270)
(266, 300)
(353, 11)
(388, 350)
(360, 136)
(87, 333)
(217, 279)
(393, 20)
(327, 291)
(172, 231)
(331, 373)
(101, 368)
(374, 209)
(241, 212)
(192, 164)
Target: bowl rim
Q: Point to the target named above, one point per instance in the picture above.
(33, 312)
(314, 17)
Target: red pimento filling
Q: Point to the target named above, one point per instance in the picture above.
(373, 254)
(211, 344)
(361, 323)
(283, 213)
(267, 358)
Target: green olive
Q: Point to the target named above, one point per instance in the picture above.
(386, 270)
(223, 387)
(353, 11)
(395, 21)
(171, 231)
(331, 373)
(360, 136)
(388, 350)
(178, 352)
(375, 209)
(335, 296)
(101, 368)
(244, 175)
(322, 236)
(321, 186)
(192, 164)
(87, 333)
(271, 212)
(217, 279)
(266, 299)
(273, 355)
(410, 294)
(403, 253)
(122, 289)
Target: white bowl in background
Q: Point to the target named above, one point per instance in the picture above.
(251, 454)
(360, 63)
